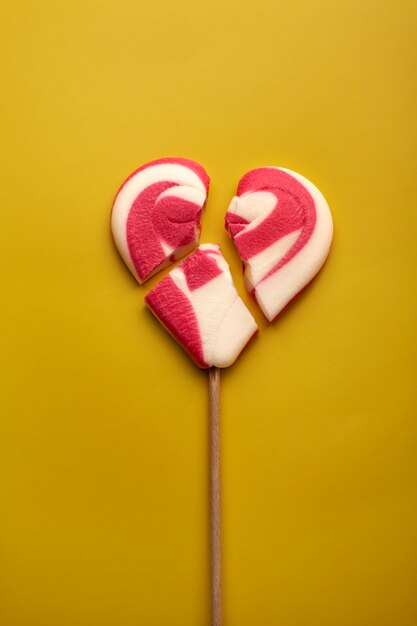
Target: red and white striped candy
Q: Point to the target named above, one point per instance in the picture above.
(199, 305)
(156, 215)
(282, 228)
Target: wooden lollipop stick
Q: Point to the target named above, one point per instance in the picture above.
(215, 528)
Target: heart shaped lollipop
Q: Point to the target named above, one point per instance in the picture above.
(282, 229)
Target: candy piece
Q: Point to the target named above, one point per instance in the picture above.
(282, 228)
(156, 215)
(199, 305)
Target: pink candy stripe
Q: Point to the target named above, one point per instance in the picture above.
(199, 269)
(234, 223)
(144, 246)
(176, 313)
(175, 220)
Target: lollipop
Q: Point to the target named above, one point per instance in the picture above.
(282, 228)
(156, 215)
(199, 305)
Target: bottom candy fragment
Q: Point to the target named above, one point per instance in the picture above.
(198, 304)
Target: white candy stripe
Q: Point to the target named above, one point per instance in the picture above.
(197, 196)
(260, 264)
(168, 250)
(255, 207)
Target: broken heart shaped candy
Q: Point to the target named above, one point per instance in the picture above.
(198, 304)
(156, 214)
(282, 228)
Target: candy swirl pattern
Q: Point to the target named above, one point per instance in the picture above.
(156, 214)
(282, 228)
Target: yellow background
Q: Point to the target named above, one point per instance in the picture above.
(104, 503)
